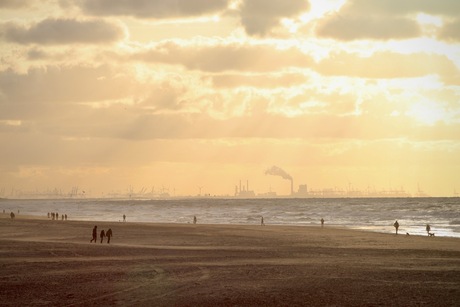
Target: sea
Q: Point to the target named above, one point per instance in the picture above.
(370, 214)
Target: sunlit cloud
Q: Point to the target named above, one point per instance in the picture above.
(111, 91)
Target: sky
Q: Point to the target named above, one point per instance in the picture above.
(191, 97)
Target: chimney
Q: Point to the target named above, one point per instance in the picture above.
(292, 186)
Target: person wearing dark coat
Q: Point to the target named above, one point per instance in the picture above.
(102, 235)
(94, 235)
(396, 226)
(109, 235)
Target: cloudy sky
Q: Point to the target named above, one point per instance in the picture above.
(182, 95)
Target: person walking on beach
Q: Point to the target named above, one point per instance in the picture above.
(322, 222)
(396, 225)
(109, 235)
(102, 235)
(262, 221)
(94, 235)
(194, 219)
(428, 228)
(124, 218)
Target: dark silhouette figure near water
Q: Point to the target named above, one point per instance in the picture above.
(12, 215)
(396, 225)
(428, 228)
(102, 235)
(124, 218)
(262, 221)
(322, 222)
(94, 235)
(194, 219)
(109, 234)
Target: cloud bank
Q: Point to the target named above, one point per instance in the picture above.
(63, 31)
(155, 9)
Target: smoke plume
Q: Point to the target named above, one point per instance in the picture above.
(276, 171)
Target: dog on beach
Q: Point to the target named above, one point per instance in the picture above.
(431, 234)
(407, 234)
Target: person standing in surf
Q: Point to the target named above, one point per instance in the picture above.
(396, 225)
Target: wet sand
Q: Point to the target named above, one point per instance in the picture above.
(46, 262)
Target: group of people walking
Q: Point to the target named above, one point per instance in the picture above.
(102, 235)
(55, 216)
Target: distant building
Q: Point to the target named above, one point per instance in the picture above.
(244, 192)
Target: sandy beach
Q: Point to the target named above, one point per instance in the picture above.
(46, 262)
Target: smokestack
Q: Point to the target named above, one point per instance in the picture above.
(276, 171)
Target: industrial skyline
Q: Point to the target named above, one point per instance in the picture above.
(241, 190)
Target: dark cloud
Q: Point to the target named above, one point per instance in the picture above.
(401, 8)
(54, 84)
(245, 58)
(232, 57)
(368, 27)
(260, 16)
(14, 4)
(156, 9)
(451, 31)
(382, 20)
(63, 31)
(37, 54)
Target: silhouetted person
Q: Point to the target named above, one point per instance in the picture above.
(62, 217)
(94, 235)
(57, 216)
(262, 221)
(396, 225)
(428, 228)
(124, 218)
(48, 215)
(322, 222)
(12, 215)
(102, 235)
(66, 217)
(194, 219)
(109, 235)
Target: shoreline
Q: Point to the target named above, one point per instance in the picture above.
(46, 263)
(330, 226)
